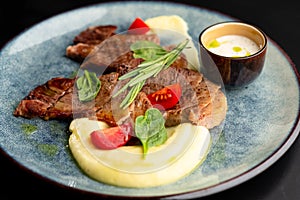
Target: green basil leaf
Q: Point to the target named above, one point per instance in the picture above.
(147, 50)
(158, 139)
(88, 86)
(150, 129)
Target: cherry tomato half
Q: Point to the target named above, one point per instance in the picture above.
(138, 26)
(112, 138)
(165, 98)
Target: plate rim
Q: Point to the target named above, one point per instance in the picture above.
(213, 189)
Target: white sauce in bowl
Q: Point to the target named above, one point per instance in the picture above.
(233, 46)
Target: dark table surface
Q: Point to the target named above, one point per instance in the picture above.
(279, 20)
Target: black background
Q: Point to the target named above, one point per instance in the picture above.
(279, 20)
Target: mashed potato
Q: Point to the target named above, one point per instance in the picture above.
(173, 26)
(185, 149)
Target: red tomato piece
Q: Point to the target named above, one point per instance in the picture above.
(111, 138)
(138, 26)
(166, 98)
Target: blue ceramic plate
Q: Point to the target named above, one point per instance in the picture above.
(261, 124)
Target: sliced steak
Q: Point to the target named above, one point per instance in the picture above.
(94, 54)
(125, 63)
(113, 49)
(198, 96)
(79, 52)
(43, 97)
(202, 102)
(139, 106)
(85, 41)
(95, 34)
(58, 99)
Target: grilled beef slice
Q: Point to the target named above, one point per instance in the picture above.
(43, 97)
(200, 97)
(97, 43)
(113, 52)
(59, 99)
(95, 34)
(85, 41)
(202, 102)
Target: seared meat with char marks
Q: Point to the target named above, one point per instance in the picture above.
(202, 102)
(84, 42)
(95, 34)
(43, 97)
(96, 46)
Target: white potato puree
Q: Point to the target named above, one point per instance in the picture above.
(185, 149)
(174, 27)
(233, 46)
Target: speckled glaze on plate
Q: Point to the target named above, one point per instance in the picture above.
(261, 123)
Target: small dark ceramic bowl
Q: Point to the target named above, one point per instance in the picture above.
(236, 72)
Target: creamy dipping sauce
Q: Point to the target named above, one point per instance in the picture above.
(233, 46)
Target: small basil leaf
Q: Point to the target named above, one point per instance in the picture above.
(88, 86)
(147, 50)
(158, 139)
(150, 129)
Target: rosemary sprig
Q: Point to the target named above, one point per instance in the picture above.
(147, 69)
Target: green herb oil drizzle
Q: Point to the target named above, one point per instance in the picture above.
(28, 129)
(214, 44)
(49, 149)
